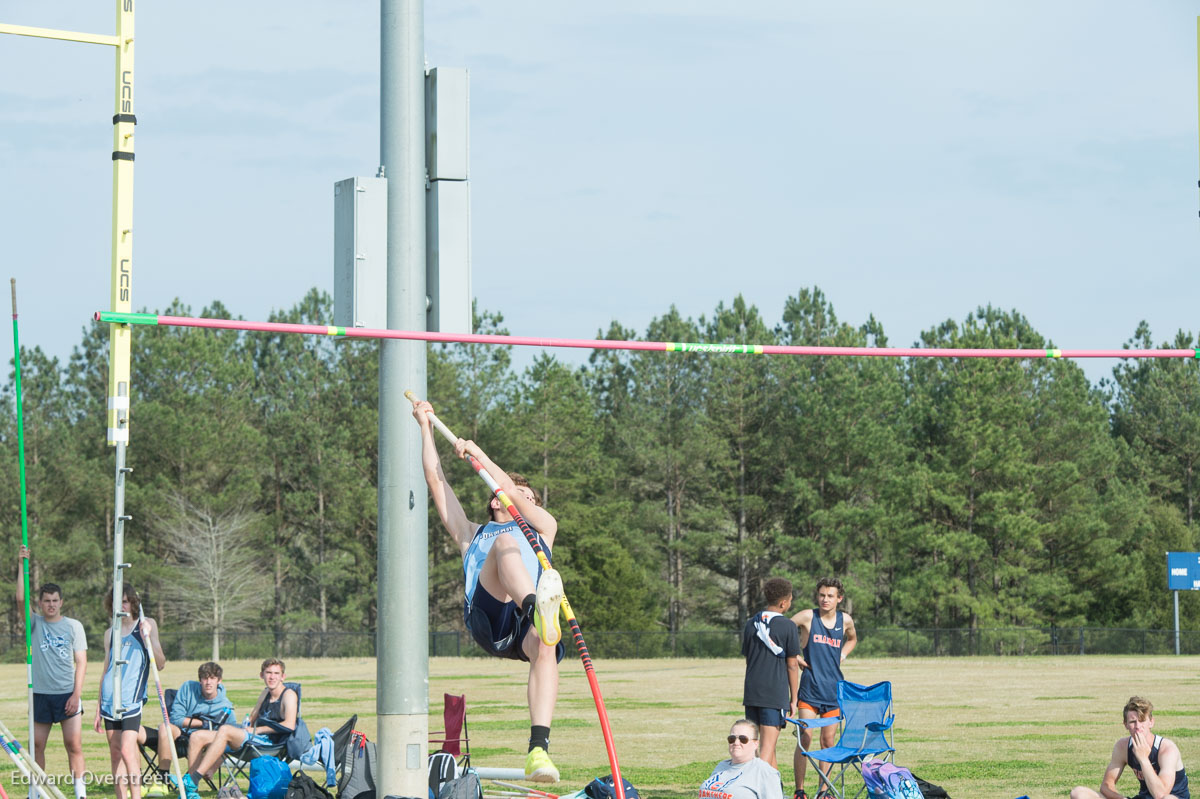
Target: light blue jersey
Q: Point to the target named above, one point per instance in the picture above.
(134, 676)
(481, 545)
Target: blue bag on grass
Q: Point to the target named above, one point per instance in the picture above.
(269, 778)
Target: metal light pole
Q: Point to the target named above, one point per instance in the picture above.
(402, 638)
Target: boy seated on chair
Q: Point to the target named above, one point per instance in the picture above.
(1155, 760)
(200, 708)
(271, 722)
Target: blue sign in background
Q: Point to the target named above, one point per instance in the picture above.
(1183, 571)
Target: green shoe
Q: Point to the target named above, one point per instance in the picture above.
(538, 765)
(545, 613)
(158, 788)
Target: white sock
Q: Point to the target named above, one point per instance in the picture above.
(80, 788)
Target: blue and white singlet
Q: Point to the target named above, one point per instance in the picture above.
(134, 675)
(481, 545)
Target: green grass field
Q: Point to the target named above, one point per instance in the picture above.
(983, 728)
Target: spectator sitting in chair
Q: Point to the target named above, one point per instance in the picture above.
(271, 722)
(199, 709)
(744, 775)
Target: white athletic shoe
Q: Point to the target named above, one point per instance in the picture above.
(549, 599)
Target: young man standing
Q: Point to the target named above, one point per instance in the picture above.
(511, 605)
(771, 646)
(828, 637)
(277, 704)
(59, 667)
(200, 708)
(1155, 760)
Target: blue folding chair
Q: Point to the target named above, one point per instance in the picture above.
(866, 725)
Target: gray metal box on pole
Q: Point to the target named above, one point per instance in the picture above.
(448, 210)
(447, 111)
(360, 253)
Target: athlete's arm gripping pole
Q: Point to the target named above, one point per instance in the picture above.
(618, 785)
(24, 518)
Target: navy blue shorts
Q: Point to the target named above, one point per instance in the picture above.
(499, 628)
(128, 723)
(52, 708)
(765, 716)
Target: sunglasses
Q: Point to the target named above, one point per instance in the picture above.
(744, 739)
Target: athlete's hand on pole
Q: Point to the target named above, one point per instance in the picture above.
(464, 447)
(23, 552)
(421, 411)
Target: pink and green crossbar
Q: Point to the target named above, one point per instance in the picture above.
(118, 318)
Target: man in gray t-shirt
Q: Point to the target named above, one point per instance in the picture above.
(59, 667)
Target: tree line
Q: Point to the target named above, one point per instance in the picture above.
(943, 492)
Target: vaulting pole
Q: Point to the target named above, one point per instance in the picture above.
(577, 633)
(652, 346)
(24, 520)
(25, 763)
(164, 730)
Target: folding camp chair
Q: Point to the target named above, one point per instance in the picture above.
(454, 739)
(866, 723)
(149, 747)
(237, 764)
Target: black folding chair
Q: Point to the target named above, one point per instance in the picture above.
(341, 744)
(149, 748)
(237, 764)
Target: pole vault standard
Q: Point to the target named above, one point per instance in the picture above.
(117, 318)
(577, 633)
(124, 122)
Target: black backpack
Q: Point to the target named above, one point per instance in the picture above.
(465, 787)
(442, 769)
(931, 791)
(603, 788)
(303, 786)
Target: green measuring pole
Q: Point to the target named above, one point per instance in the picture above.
(24, 523)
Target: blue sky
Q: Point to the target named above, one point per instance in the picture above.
(913, 160)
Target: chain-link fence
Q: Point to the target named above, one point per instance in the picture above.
(882, 642)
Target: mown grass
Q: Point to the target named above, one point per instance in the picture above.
(983, 728)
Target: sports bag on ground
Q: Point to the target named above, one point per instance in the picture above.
(358, 769)
(465, 787)
(929, 790)
(603, 788)
(269, 778)
(888, 781)
(442, 768)
(303, 786)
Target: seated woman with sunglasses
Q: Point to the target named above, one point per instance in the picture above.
(744, 775)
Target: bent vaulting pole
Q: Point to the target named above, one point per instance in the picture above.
(608, 344)
(24, 517)
(577, 633)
